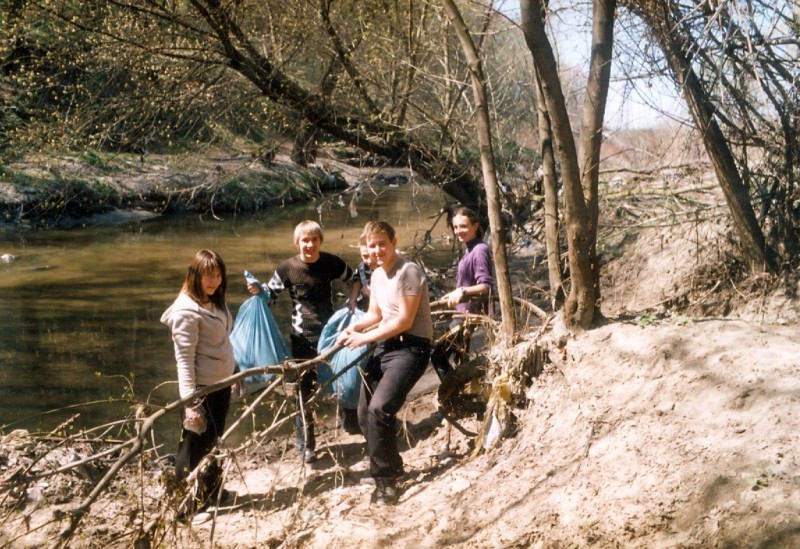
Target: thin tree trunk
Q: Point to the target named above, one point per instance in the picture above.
(304, 150)
(593, 115)
(753, 243)
(580, 304)
(507, 310)
(550, 187)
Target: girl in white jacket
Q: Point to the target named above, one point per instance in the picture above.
(200, 322)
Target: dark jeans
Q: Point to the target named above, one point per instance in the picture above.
(455, 345)
(348, 419)
(304, 423)
(192, 448)
(390, 374)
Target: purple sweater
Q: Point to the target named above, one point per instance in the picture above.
(475, 268)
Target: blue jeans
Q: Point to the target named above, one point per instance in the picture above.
(390, 374)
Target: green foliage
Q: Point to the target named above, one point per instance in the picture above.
(93, 158)
(646, 320)
(512, 155)
(67, 198)
(469, 156)
(680, 320)
(760, 479)
(72, 88)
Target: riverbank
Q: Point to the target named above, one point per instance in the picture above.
(84, 189)
(637, 435)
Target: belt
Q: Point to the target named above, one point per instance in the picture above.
(406, 340)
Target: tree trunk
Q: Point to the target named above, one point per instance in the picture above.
(753, 243)
(550, 187)
(489, 172)
(580, 304)
(304, 149)
(593, 115)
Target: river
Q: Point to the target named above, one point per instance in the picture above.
(80, 308)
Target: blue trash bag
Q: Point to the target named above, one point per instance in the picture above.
(256, 338)
(348, 385)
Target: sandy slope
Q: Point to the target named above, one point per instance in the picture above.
(667, 435)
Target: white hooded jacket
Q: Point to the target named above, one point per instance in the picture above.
(203, 350)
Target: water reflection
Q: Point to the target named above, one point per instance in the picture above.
(80, 308)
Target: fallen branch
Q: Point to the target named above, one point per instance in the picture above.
(137, 442)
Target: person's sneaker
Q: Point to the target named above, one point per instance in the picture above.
(309, 456)
(201, 518)
(385, 492)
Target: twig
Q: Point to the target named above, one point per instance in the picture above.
(541, 313)
(708, 293)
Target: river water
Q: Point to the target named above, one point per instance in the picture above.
(80, 308)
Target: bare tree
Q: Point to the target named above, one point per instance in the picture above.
(550, 187)
(579, 177)
(673, 29)
(488, 167)
(593, 115)
(276, 53)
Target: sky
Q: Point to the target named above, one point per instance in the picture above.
(628, 106)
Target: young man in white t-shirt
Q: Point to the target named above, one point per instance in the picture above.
(400, 306)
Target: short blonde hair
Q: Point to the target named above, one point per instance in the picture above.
(307, 227)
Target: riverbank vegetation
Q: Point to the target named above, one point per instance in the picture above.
(61, 190)
(128, 104)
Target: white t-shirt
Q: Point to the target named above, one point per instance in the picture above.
(404, 279)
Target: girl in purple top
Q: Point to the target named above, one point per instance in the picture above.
(474, 281)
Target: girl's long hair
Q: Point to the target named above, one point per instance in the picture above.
(205, 262)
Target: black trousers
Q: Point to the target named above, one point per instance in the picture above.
(192, 448)
(304, 423)
(455, 347)
(390, 375)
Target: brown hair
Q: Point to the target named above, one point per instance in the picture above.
(472, 216)
(375, 227)
(205, 262)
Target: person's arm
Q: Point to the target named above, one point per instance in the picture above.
(482, 278)
(353, 335)
(463, 293)
(399, 324)
(356, 337)
(256, 289)
(185, 333)
(347, 273)
(355, 290)
(271, 288)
